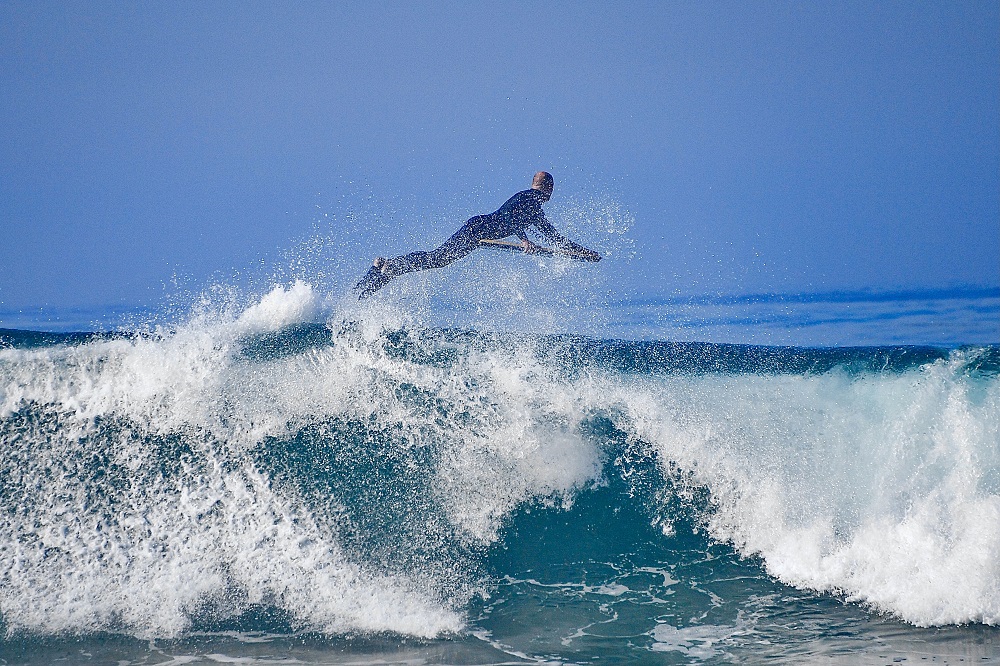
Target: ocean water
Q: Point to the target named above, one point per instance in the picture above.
(717, 481)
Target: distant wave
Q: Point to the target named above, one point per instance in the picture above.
(846, 296)
(949, 317)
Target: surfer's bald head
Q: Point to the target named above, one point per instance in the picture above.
(543, 183)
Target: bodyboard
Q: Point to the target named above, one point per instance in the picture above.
(546, 251)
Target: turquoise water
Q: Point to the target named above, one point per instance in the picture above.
(286, 482)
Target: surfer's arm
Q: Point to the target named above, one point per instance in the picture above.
(526, 243)
(547, 230)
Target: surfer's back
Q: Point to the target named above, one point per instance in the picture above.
(521, 211)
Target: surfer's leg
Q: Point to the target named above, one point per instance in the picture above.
(383, 270)
(453, 249)
(373, 280)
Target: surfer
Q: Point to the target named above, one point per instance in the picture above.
(521, 211)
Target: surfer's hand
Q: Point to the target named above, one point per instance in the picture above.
(584, 253)
(528, 247)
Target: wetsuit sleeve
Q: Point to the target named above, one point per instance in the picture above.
(547, 230)
(561, 241)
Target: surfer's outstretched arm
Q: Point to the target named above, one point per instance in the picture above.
(547, 230)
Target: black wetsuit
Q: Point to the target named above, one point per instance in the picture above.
(521, 211)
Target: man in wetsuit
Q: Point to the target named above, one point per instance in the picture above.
(521, 211)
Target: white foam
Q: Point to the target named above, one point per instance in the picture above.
(150, 560)
(279, 308)
(532, 450)
(698, 642)
(882, 488)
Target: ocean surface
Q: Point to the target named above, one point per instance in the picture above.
(286, 479)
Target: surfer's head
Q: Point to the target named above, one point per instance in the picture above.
(543, 183)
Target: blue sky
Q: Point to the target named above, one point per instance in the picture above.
(750, 147)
